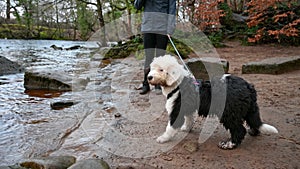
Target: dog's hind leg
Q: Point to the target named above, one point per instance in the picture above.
(238, 133)
(253, 120)
(168, 134)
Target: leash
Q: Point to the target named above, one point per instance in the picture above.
(178, 54)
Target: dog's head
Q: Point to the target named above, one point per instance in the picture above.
(165, 71)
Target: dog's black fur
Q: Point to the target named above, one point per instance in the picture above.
(240, 105)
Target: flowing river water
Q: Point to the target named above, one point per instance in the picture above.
(28, 125)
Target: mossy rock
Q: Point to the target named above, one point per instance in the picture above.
(123, 51)
(182, 48)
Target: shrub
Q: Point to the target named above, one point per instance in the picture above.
(274, 21)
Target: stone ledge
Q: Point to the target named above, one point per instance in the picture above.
(275, 66)
(203, 68)
(52, 80)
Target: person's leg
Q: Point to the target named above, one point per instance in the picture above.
(161, 46)
(149, 46)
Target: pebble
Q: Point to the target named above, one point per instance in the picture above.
(191, 146)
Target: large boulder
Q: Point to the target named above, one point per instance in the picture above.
(90, 163)
(205, 68)
(9, 67)
(52, 80)
(276, 65)
(52, 162)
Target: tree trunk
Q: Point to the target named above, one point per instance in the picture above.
(8, 9)
(129, 25)
(102, 23)
(57, 18)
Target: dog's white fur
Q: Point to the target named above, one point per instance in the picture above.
(166, 72)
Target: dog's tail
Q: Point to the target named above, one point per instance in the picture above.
(267, 129)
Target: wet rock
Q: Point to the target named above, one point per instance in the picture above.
(52, 162)
(52, 80)
(90, 163)
(96, 57)
(73, 47)
(56, 47)
(202, 68)
(12, 167)
(118, 115)
(70, 48)
(104, 63)
(62, 104)
(9, 67)
(277, 65)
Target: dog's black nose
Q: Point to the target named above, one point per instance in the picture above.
(150, 77)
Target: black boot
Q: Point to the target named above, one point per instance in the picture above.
(146, 88)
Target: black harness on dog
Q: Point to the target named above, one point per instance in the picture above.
(196, 82)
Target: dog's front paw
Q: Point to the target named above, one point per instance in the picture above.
(227, 145)
(162, 139)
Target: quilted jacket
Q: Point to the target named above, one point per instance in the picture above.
(159, 15)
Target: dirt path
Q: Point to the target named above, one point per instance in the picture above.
(279, 101)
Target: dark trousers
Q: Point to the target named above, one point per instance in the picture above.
(155, 45)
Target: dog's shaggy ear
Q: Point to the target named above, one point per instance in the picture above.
(173, 75)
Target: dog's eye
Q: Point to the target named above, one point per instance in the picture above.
(161, 70)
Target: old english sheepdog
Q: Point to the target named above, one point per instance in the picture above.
(184, 98)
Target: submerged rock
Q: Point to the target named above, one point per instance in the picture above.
(90, 163)
(203, 68)
(73, 47)
(62, 104)
(61, 48)
(52, 80)
(9, 67)
(56, 47)
(52, 162)
(272, 65)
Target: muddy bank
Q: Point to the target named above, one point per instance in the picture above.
(118, 139)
